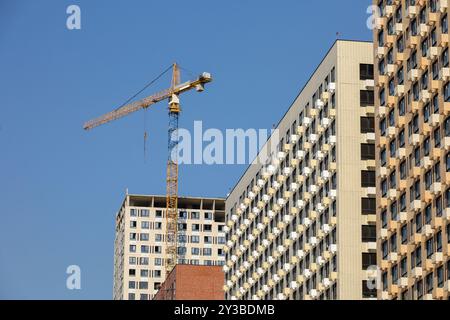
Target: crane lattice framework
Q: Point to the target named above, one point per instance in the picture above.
(172, 94)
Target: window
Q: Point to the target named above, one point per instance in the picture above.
(208, 216)
(195, 251)
(429, 282)
(145, 225)
(195, 227)
(195, 239)
(366, 98)
(369, 259)
(440, 277)
(207, 227)
(368, 292)
(368, 205)
(144, 273)
(195, 215)
(447, 92)
(158, 214)
(367, 151)
(207, 239)
(132, 248)
(365, 71)
(144, 236)
(143, 285)
(144, 296)
(367, 179)
(207, 251)
(369, 233)
(367, 124)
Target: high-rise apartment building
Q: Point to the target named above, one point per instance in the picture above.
(302, 225)
(412, 97)
(140, 241)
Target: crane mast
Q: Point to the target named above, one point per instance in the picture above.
(172, 94)
(172, 178)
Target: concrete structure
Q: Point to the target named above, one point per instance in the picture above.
(413, 139)
(139, 243)
(190, 282)
(302, 226)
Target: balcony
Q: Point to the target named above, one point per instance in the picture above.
(424, 29)
(399, 90)
(393, 257)
(393, 225)
(417, 272)
(383, 233)
(398, 28)
(392, 194)
(427, 230)
(306, 121)
(444, 74)
(403, 282)
(381, 52)
(403, 250)
(425, 96)
(444, 39)
(415, 139)
(435, 120)
(319, 104)
(390, 69)
(331, 87)
(414, 42)
(427, 162)
(437, 258)
(436, 188)
(413, 74)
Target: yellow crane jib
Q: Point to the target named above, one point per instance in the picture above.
(172, 94)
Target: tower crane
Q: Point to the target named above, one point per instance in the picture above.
(172, 95)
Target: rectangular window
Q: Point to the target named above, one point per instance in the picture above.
(367, 151)
(369, 259)
(367, 179)
(368, 205)
(367, 124)
(365, 71)
(369, 233)
(367, 98)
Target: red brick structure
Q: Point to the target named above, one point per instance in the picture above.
(193, 282)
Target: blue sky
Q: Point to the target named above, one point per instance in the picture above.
(60, 187)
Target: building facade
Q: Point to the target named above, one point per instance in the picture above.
(412, 94)
(302, 224)
(139, 241)
(192, 282)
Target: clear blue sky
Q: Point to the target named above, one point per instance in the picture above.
(60, 187)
